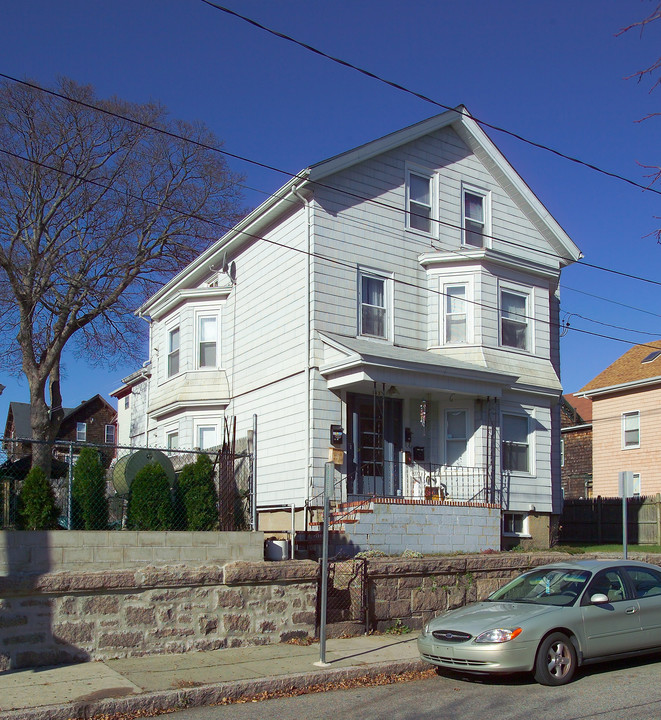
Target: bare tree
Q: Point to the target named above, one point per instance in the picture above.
(653, 73)
(96, 210)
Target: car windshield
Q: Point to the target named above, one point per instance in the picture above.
(555, 586)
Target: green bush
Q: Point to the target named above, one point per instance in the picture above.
(89, 501)
(37, 509)
(150, 502)
(197, 495)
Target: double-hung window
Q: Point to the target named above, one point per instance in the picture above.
(173, 351)
(207, 329)
(456, 437)
(420, 193)
(515, 443)
(456, 318)
(514, 331)
(110, 434)
(474, 217)
(630, 430)
(373, 314)
(172, 440)
(81, 432)
(206, 436)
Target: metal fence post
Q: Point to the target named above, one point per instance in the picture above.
(253, 509)
(329, 480)
(70, 490)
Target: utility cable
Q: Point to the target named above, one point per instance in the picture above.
(316, 183)
(425, 98)
(341, 263)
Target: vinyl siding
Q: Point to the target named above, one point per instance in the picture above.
(608, 456)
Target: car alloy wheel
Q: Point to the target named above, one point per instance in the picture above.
(555, 663)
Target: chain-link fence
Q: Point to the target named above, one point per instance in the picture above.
(346, 602)
(82, 486)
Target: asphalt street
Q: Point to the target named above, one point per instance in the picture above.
(613, 691)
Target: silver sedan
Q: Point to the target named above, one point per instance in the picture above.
(551, 620)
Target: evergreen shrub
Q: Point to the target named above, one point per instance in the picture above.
(37, 509)
(197, 495)
(150, 501)
(90, 504)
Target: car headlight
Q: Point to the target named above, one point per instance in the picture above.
(498, 635)
(425, 629)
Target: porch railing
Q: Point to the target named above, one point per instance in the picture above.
(449, 482)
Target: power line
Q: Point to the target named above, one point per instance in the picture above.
(357, 196)
(348, 265)
(425, 98)
(609, 300)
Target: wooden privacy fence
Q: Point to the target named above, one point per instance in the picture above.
(599, 520)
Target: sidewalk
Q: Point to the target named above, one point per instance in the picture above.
(163, 682)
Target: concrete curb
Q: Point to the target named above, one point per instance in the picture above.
(209, 694)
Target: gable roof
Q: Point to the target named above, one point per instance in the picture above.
(21, 413)
(628, 371)
(582, 407)
(281, 201)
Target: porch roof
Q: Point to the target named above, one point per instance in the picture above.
(349, 362)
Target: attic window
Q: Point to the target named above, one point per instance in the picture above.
(652, 356)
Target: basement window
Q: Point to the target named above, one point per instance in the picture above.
(515, 524)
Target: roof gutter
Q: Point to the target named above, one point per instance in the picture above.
(609, 389)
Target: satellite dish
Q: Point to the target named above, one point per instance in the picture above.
(232, 272)
(225, 263)
(128, 466)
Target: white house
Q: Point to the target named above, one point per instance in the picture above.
(398, 302)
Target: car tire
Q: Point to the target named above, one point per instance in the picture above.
(555, 662)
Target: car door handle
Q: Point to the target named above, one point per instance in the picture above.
(630, 610)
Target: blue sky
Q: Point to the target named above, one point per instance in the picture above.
(551, 71)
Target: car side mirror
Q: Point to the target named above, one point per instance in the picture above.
(599, 599)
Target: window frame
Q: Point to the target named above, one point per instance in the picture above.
(109, 426)
(199, 318)
(446, 314)
(169, 434)
(466, 438)
(430, 177)
(199, 427)
(81, 432)
(528, 444)
(386, 279)
(485, 195)
(527, 295)
(524, 517)
(626, 445)
(173, 353)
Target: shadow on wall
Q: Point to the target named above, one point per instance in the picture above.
(29, 635)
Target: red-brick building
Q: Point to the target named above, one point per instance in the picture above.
(94, 422)
(576, 444)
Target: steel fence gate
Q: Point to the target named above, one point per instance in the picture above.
(347, 606)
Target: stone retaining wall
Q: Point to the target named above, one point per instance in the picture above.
(76, 616)
(411, 592)
(73, 550)
(64, 617)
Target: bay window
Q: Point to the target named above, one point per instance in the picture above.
(173, 351)
(514, 320)
(207, 330)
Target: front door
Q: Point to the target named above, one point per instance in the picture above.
(374, 444)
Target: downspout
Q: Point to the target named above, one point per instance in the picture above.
(308, 348)
(148, 320)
